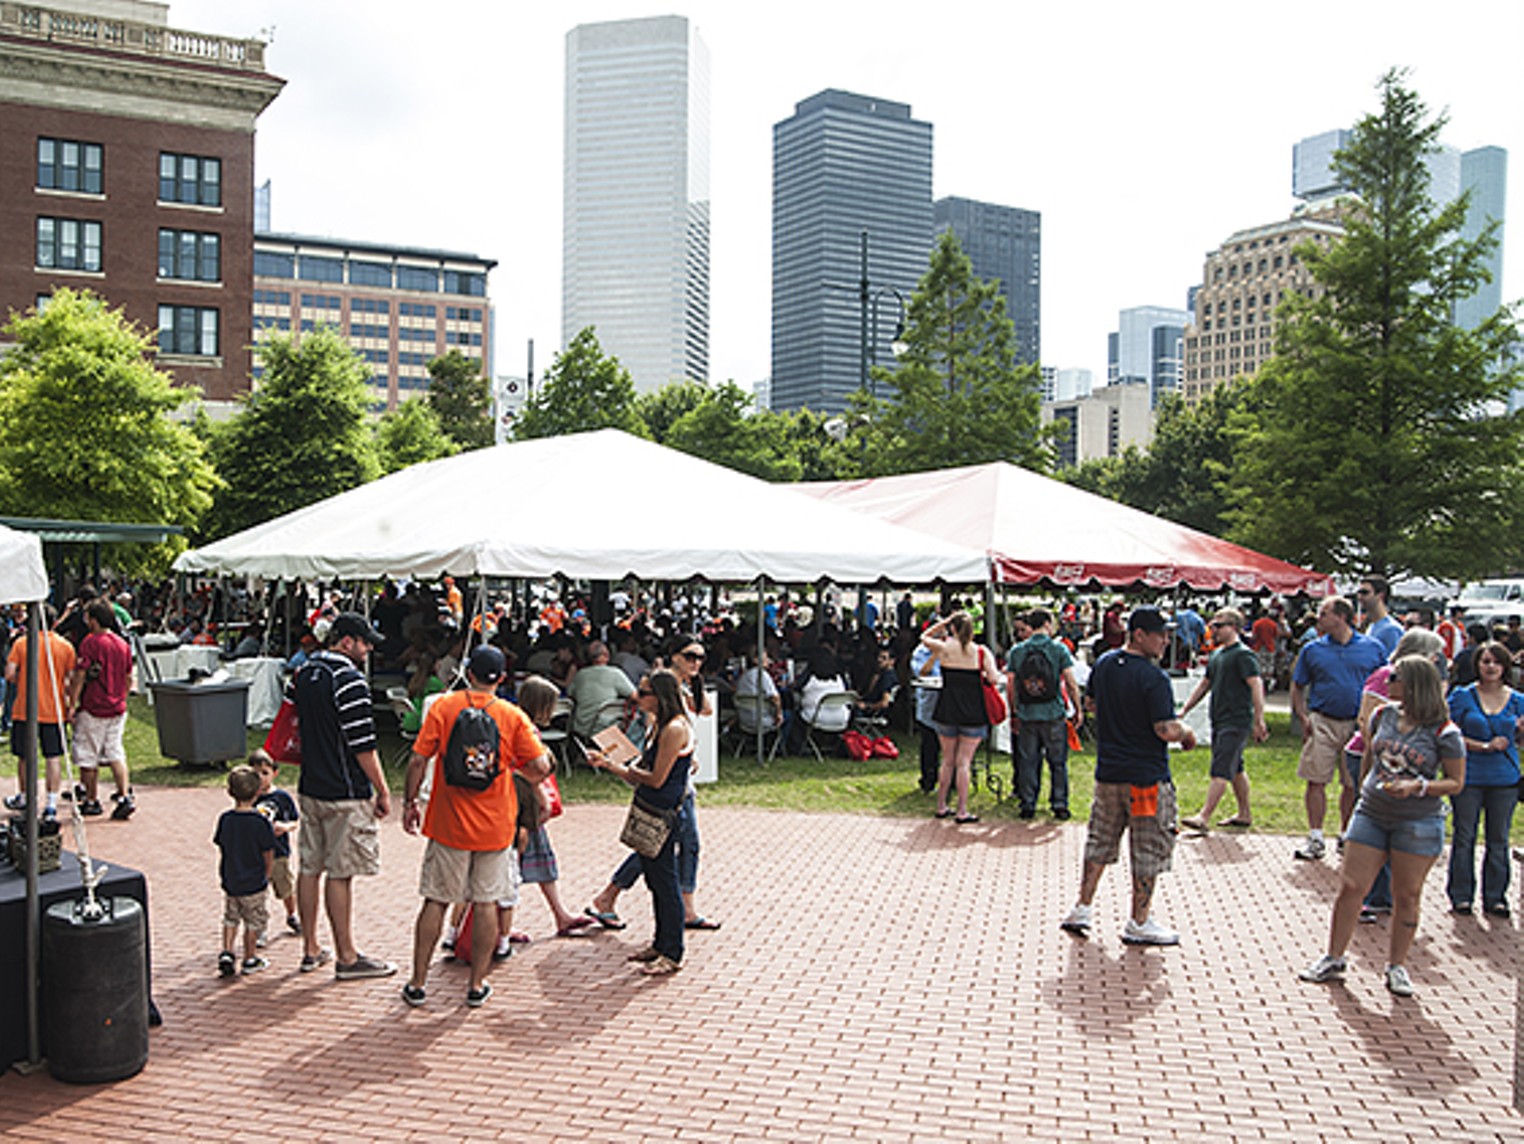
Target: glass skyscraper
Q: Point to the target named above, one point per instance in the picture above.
(1484, 172)
(635, 239)
(1005, 245)
(843, 165)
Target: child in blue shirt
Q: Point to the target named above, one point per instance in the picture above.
(280, 809)
(247, 842)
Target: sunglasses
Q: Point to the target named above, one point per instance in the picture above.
(692, 656)
(642, 692)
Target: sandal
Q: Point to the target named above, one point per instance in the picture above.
(608, 919)
(1198, 824)
(647, 954)
(1237, 823)
(965, 819)
(661, 967)
(700, 923)
(945, 812)
(575, 926)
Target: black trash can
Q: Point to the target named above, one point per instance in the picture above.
(202, 722)
(95, 991)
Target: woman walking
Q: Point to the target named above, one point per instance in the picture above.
(960, 719)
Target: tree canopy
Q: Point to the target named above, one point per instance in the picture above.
(584, 389)
(409, 435)
(721, 428)
(460, 398)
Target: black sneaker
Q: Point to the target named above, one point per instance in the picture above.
(502, 954)
(476, 998)
(1061, 813)
(1029, 812)
(90, 807)
(294, 924)
(15, 802)
(362, 967)
(124, 809)
(227, 964)
(413, 995)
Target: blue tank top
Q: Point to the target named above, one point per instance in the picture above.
(669, 795)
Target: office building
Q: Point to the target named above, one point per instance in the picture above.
(844, 166)
(1484, 173)
(1146, 347)
(1066, 384)
(127, 168)
(1102, 423)
(1005, 246)
(635, 236)
(398, 307)
(1312, 171)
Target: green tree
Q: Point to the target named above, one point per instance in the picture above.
(409, 435)
(662, 408)
(461, 399)
(301, 436)
(85, 427)
(820, 454)
(584, 389)
(721, 428)
(958, 396)
(1373, 443)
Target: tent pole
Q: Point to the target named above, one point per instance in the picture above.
(34, 636)
(761, 652)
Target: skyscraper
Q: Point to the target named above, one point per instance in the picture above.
(635, 240)
(1484, 173)
(1005, 245)
(843, 165)
(1147, 347)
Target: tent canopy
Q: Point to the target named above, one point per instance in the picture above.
(601, 505)
(1037, 529)
(23, 576)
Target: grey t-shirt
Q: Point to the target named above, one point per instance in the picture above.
(1406, 755)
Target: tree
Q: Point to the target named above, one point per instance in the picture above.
(821, 456)
(958, 396)
(584, 389)
(409, 435)
(721, 428)
(85, 428)
(662, 408)
(301, 436)
(461, 399)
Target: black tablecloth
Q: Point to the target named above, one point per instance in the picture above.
(61, 885)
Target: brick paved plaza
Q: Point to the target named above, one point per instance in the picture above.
(875, 979)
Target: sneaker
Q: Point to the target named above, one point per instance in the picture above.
(227, 964)
(413, 995)
(1149, 933)
(78, 794)
(261, 941)
(1398, 981)
(311, 961)
(476, 998)
(294, 924)
(1078, 921)
(124, 808)
(1461, 908)
(1499, 910)
(1339, 845)
(503, 952)
(1367, 916)
(363, 966)
(1324, 968)
(90, 807)
(1312, 850)
(254, 964)
(15, 802)
(50, 812)
(1028, 812)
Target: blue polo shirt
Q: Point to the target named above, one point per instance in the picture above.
(1334, 674)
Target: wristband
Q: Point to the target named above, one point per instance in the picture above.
(1423, 787)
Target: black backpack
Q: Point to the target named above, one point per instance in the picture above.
(470, 758)
(1035, 678)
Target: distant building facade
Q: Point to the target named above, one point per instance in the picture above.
(127, 168)
(1484, 173)
(398, 307)
(635, 208)
(843, 165)
(1005, 246)
(1146, 347)
(1066, 384)
(1102, 424)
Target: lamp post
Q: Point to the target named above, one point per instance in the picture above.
(868, 299)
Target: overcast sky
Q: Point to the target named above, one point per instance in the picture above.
(1144, 133)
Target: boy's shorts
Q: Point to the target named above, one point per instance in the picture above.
(246, 908)
(282, 881)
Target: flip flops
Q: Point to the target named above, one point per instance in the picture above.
(575, 926)
(608, 919)
(1237, 823)
(700, 923)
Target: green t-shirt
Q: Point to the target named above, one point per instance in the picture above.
(1058, 655)
(1230, 670)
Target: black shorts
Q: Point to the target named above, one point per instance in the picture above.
(52, 739)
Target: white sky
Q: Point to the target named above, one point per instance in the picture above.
(1144, 133)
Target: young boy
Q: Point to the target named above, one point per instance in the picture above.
(247, 842)
(280, 809)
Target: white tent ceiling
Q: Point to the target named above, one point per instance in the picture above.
(23, 576)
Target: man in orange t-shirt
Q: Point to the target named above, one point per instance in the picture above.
(470, 856)
(53, 709)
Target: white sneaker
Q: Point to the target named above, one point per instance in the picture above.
(1324, 968)
(1398, 981)
(1312, 850)
(1149, 933)
(1078, 921)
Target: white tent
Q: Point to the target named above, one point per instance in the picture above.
(601, 505)
(23, 576)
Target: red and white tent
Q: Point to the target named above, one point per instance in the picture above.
(1035, 529)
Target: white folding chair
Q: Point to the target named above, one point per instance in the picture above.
(752, 710)
(832, 717)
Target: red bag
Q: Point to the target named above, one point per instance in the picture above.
(858, 745)
(463, 934)
(551, 800)
(884, 748)
(284, 742)
(994, 702)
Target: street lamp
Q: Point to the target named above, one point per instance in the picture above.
(869, 299)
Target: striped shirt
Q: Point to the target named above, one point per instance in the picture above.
(333, 708)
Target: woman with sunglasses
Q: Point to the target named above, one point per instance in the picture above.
(1490, 715)
(660, 780)
(1413, 756)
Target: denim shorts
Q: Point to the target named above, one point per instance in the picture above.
(977, 731)
(1424, 837)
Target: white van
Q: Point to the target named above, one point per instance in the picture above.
(1492, 601)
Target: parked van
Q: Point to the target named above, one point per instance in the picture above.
(1492, 601)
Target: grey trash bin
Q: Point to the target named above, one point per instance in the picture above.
(201, 722)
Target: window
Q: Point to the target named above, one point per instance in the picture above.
(458, 282)
(65, 165)
(190, 254)
(191, 179)
(415, 310)
(189, 330)
(416, 278)
(370, 274)
(268, 265)
(272, 297)
(316, 269)
(320, 301)
(68, 244)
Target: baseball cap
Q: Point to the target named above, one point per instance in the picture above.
(1146, 620)
(352, 624)
(487, 664)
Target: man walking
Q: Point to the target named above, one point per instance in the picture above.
(1380, 626)
(470, 827)
(1237, 711)
(1135, 723)
(1039, 669)
(54, 663)
(98, 694)
(1326, 683)
(342, 793)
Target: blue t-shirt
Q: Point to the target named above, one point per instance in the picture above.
(243, 836)
(1488, 768)
(1131, 694)
(1191, 627)
(278, 806)
(1334, 674)
(1385, 631)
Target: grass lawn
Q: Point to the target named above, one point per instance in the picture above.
(878, 786)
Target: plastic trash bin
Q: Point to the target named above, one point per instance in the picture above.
(201, 722)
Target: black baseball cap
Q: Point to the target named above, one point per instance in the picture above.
(353, 624)
(1147, 620)
(487, 664)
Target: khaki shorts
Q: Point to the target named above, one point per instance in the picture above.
(282, 881)
(1150, 841)
(341, 838)
(246, 908)
(98, 739)
(1323, 750)
(450, 875)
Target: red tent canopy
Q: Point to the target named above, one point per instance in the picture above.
(1037, 529)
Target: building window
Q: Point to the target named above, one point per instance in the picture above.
(320, 301)
(417, 278)
(370, 274)
(190, 254)
(68, 244)
(268, 265)
(459, 282)
(188, 330)
(65, 165)
(272, 298)
(192, 179)
(317, 269)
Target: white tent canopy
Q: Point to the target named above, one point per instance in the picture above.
(601, 505)
(23, 576)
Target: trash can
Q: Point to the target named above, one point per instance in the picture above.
(201, 722)
(95, 991)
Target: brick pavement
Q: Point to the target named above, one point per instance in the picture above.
(875, 979)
